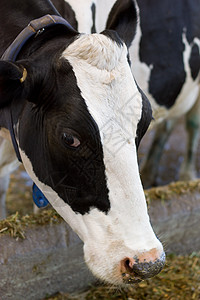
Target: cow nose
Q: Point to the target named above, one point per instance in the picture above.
(142, 266)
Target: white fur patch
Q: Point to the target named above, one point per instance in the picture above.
(103, 8)
(83, 14)
(116, 107)
(96, 50)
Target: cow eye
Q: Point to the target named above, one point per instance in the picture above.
(70, 140)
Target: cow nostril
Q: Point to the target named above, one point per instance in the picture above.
(130, 264)
(127, 265)
(127, 262)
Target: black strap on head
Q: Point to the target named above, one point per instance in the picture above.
(34, 29)
(9, 121)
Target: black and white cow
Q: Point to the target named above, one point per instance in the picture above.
(166, 63)
(74, 113)
(168, 68)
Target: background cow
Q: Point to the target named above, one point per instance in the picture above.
(165, 61)
(75, 115)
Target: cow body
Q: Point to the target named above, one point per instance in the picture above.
(76, 114)
(167, 49)
(172, 76)
(166, 64)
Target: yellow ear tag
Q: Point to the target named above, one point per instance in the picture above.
(23, 78)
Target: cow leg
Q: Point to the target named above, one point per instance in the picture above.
(149, 167)
(8, 163)
(188, 168)
(4, 183)
(36, 209)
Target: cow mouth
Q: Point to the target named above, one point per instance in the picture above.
(129, 279)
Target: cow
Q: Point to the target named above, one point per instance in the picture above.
(73, 114)
(169, 58)
(166, 64)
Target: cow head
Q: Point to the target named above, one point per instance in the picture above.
(77, 115)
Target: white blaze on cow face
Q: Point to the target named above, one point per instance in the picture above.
(107, 85)
(109, 90)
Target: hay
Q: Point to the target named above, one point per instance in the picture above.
(172, 190)
(180, 279)
(16, 225)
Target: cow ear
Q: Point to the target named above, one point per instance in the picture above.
(146, 118)
(123, 19)
(12, 77)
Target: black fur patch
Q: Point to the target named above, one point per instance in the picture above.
(113, 35)
(123, 18)
(66, 12)
(93, 9)
(195, 61)
(145, 118)
(77, 175)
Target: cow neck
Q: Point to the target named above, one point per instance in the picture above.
(34, 29)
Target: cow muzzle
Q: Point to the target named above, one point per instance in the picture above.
(143, 266)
